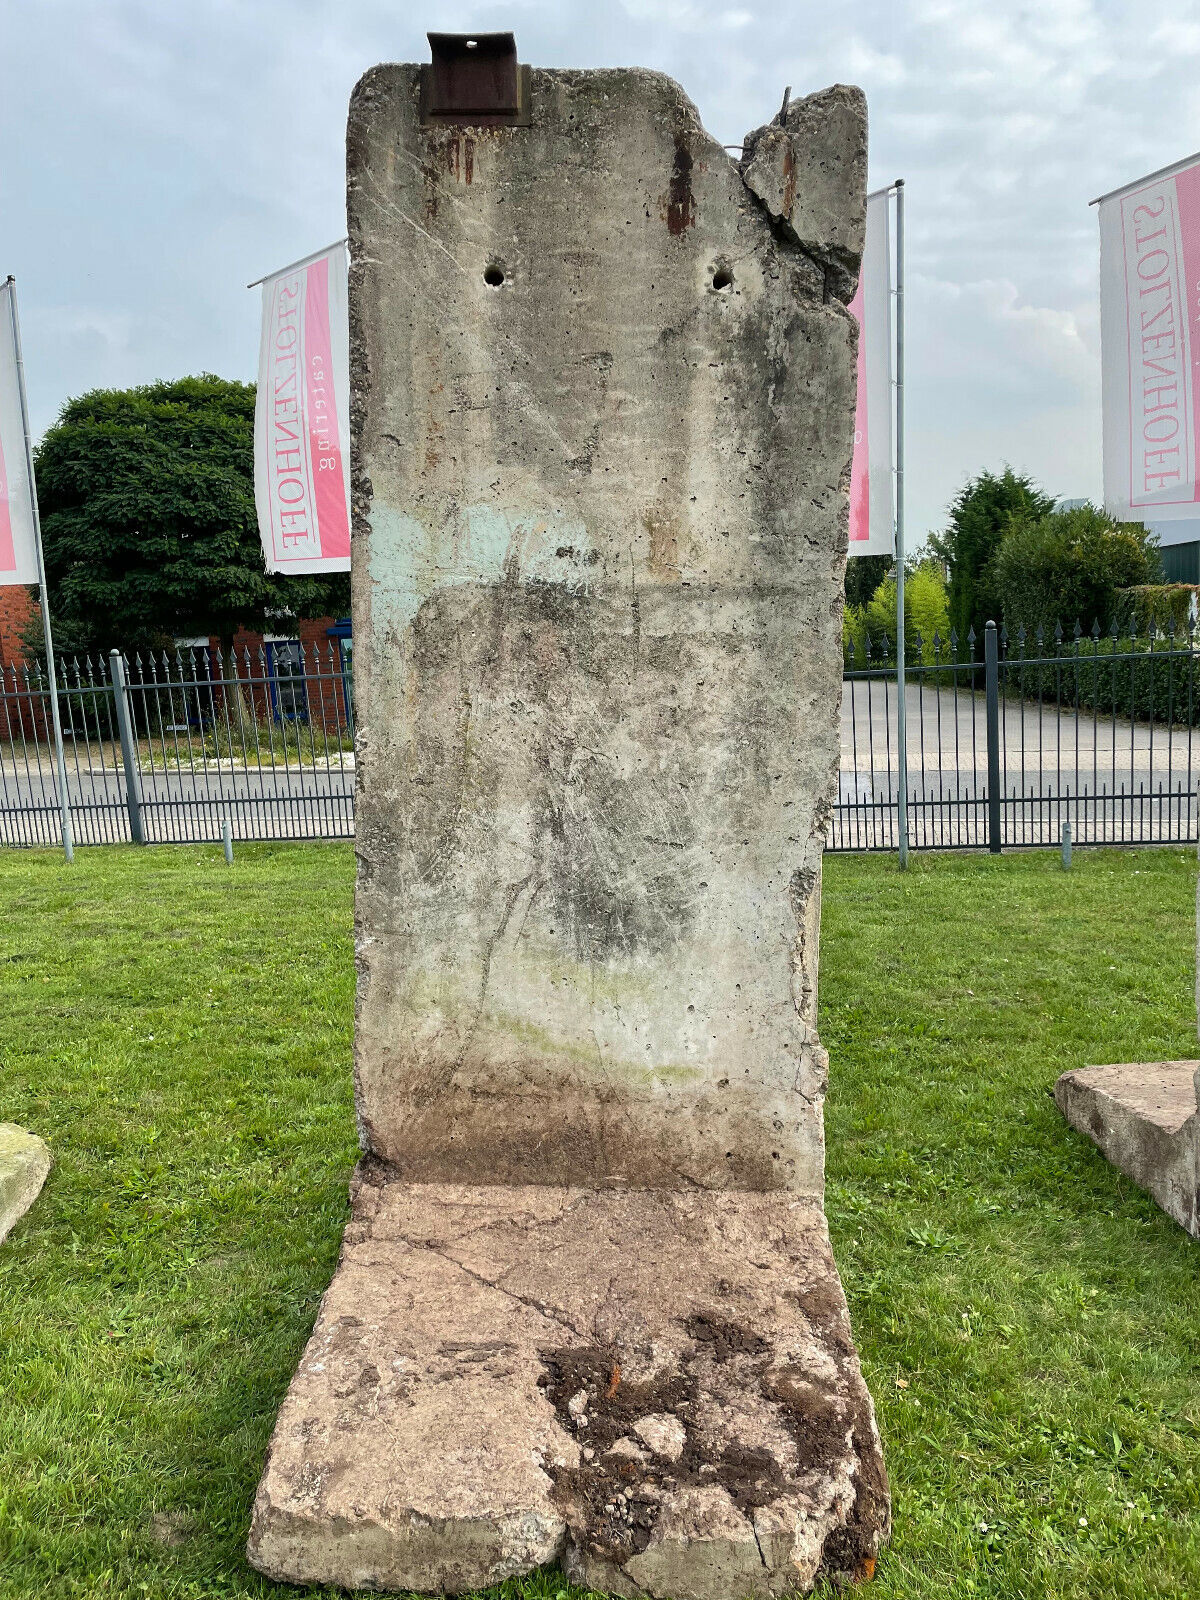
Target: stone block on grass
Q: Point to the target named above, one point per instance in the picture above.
(24, 1164)
(1143, 1115)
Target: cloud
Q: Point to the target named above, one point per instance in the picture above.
(159, 157)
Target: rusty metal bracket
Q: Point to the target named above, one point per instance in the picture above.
(474, 80)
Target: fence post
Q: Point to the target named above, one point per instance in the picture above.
(991, 673)
(133, 779)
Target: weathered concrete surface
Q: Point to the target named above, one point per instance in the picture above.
(1143, 1115)
(600, 535)
(602, 414)
(803, 170)
(24, 1165)
(659, 1390)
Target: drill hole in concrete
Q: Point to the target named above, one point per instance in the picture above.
(722, 278)
(493, 275)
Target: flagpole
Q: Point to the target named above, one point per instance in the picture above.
(64, 802)
(901, 707)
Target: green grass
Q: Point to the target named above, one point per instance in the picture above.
(180, 1032)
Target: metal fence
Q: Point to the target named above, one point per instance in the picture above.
(1008, 741)
(171, 748)
(1011, 739)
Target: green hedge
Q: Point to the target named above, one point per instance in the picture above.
(1121, 677)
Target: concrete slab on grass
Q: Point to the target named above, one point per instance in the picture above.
(24, 1163)
(656, 1388)
(1143, 1115)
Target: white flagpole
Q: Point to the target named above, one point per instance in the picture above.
(64, 801)
(901, 708)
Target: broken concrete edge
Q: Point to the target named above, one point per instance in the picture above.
(24, 1167)
(801, 174)
(658, 1392)
(1144, 1117)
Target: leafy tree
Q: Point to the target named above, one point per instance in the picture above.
(1068, 566)
(864, 574)
(926, 612)
(980, 513)
(147, 501)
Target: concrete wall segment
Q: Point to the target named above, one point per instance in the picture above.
(600, 524)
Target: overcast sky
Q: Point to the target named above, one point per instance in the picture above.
(157, 155)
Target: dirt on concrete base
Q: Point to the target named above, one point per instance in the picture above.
(657, 1389)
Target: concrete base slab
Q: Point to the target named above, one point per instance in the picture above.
(24, 1164)
(1143, 1115)
(658, 1389)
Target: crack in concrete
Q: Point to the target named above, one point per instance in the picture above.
(551, 1313)
(761, 1554)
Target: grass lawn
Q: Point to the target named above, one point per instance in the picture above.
(1029, 1322)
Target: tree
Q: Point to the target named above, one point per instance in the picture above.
(1067, 566)
(864, 574)
(980, 513)
(147, 501)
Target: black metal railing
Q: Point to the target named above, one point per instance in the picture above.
(1010, 741)
(182, 747)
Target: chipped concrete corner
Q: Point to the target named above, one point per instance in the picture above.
(603, 383)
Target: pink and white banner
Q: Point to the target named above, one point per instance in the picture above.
(1150, 339)
(302, 418)
(872, 513)
(18, 548)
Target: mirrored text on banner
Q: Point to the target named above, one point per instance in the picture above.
(872, 529)
(302, 418)
(1150, 336)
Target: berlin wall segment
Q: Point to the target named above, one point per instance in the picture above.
(586, 1309)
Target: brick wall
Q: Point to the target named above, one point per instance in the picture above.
(324, 689)
(17, 611)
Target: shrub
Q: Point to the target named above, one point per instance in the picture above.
(926, 613)
(1142, 679)
(1165, 606)
(1067, 567)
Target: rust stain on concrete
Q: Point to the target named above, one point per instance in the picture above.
(681, 202)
